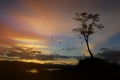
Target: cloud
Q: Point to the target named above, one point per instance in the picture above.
(110, 54)
(111, 28)
(105, 5)
(31, 19)
(29, 53)
(11, 36)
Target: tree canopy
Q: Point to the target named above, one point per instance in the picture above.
(89, 23)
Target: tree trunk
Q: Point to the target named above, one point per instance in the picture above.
(89, 49)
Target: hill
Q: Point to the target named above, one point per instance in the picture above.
(87, 69)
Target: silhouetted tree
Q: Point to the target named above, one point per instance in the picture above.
(89, 23)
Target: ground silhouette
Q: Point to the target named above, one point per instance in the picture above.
(87, 69)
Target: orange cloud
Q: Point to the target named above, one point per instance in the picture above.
(12, 37)
(42, 17)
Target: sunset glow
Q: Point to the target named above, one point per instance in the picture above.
(59, 39)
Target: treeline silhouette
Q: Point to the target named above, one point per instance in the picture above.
(94, 69)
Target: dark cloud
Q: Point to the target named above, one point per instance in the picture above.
(106, 5)
(110, 54)
(7, 4)
(25, 54)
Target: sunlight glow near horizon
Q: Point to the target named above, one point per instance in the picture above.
(32, 44)
(57, 61)
(34, 71)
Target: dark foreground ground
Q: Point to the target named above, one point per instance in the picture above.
(87, 69)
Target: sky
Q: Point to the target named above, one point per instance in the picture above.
(46, 26)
